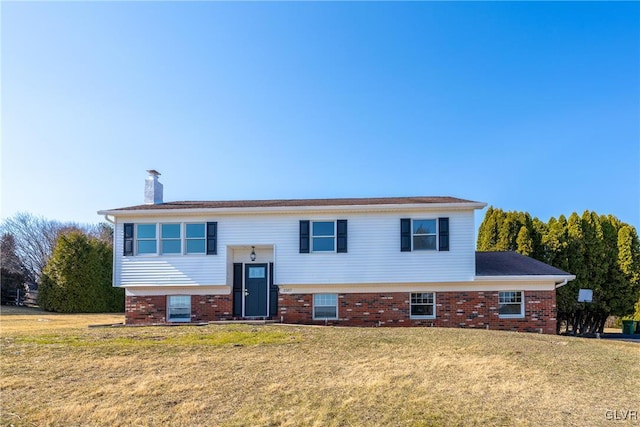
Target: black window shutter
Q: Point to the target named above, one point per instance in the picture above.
(212, 238)
(342, 236)
(304, 237)
(128, 239)
(273, 293)
(405, 235)
(443, 234)
(237, 289)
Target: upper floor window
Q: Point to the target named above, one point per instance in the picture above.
(323, 236)
(146, 239)
(171, 240)
(424, 234)
(195, 238)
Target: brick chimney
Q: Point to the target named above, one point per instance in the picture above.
(152, 188)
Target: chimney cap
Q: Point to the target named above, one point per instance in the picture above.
(153, 172)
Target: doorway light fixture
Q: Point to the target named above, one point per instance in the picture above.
(253, 253)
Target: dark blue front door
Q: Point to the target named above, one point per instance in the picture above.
(255, 290)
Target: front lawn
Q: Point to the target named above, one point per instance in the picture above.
(57, 371)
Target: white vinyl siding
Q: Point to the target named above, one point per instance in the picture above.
(373, 255)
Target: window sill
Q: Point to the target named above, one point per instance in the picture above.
(511, 316)
(422, 317)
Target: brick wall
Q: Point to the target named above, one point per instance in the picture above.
(152, 310)
(145, 310)
(453, 309)
(206, 308)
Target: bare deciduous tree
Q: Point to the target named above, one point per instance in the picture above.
(35, 237)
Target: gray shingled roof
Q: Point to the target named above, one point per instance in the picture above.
(296, 203)
(513, 264)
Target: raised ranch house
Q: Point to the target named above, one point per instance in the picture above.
(401, 261)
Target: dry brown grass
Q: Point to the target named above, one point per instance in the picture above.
(57, 371)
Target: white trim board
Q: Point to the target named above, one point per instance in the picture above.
(147, 291)
(420, 287)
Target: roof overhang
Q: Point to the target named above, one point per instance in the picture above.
(559, 280)
(422, 207)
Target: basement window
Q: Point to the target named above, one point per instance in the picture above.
(423, 305)
(179, 308)
(325, 306)
(511, 304)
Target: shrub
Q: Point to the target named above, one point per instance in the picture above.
(77, 277)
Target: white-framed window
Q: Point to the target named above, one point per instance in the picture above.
(171, 238)
(425, 234)
(325, 306)
(179, 308)
(323, 236)
(511, 304)
(146, 239)
(423, 305)
(195, 238)
(171, 241)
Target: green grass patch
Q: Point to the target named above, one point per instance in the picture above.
(236, 335)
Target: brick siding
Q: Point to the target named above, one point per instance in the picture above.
(152, 310)
(475, 309)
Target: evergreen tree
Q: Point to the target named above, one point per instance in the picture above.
(77, 278)
(488, 232)
(629, 261)
(601, 251)
(524, 242)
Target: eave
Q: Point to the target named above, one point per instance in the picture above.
(559, 280)
(419, 207)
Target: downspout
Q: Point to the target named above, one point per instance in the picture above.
(564, 282)
(106, 217)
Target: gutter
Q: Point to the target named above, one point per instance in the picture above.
(564, 282)
(559, 280)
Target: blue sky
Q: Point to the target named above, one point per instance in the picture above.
(526, 106)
